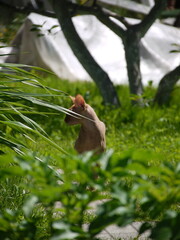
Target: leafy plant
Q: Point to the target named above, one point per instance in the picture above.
(128, 179)
(48, 194)
(17, 104)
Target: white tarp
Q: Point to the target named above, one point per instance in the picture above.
(51, 50)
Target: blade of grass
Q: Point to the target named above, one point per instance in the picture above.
(56, 107)
(22, 127)
(29, 121)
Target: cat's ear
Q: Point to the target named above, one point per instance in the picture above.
(79, 101)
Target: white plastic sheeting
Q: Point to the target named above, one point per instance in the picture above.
(128, 5)
(52, 51)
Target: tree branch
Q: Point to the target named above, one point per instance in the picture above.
(149, 19)
(102, 15)
(100, 77)
(105, 19)
(116, 16)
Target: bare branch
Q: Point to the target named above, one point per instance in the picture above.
(150, 18)
(105, 19)
(102, 16)
(116, 16)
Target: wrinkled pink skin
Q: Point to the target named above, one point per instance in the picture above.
(92, 133)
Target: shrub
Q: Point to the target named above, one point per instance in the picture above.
(131, 186)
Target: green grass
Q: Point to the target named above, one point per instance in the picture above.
(153, 131)
(152, 128)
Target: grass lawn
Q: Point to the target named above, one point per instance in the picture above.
(152, 128)
(140, 173)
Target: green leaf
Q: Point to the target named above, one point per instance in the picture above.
(105, 158)
(23, 94)
(6, 159)
(30, 122)
(144, 227)
(18, 66)
(29, 205)
(12, 171)
(63, 231)
(65, 235)
(137, 168)
(4, 224)
(161, 233)
(16, 125)
(13, 145)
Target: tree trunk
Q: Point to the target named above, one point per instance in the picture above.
(100, 77)
(132, 53)
(166, 86)
(131, 42)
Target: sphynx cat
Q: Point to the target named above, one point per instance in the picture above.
(92, 131)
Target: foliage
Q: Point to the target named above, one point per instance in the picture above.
(151, 127)
(48, 194)
(130, 181)
(9, 29)
(15, 104)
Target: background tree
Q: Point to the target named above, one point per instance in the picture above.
(131, 37)
(100, 77)
(65, 10)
